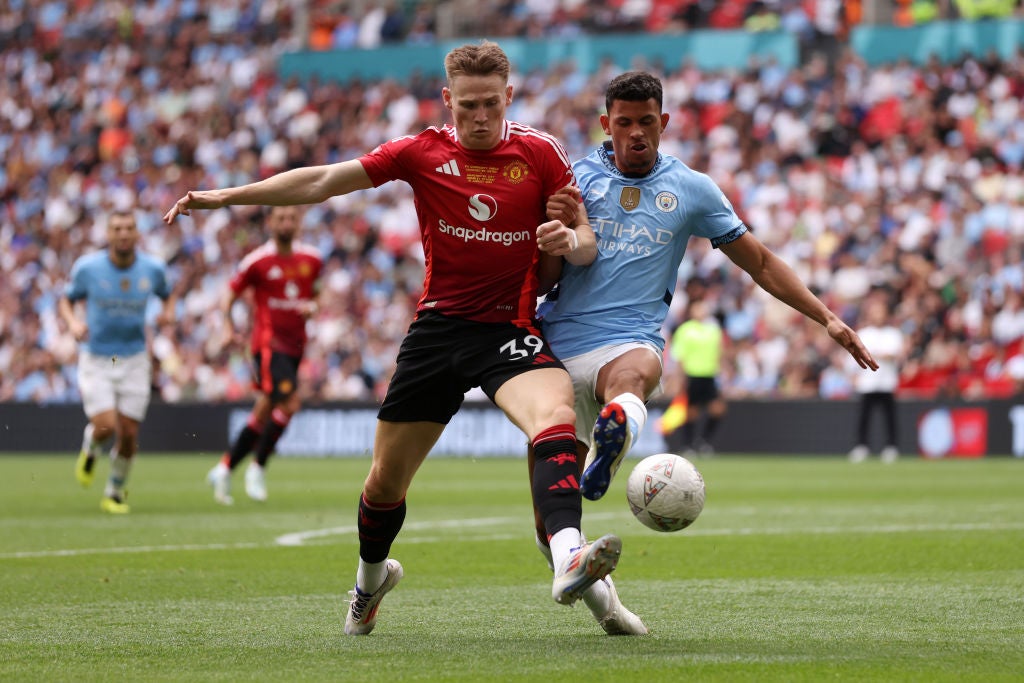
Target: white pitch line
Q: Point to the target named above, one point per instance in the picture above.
(299, 537)
(73, 552)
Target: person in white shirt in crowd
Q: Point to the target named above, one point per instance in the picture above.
(877, 390)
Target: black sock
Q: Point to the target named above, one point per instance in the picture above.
(556, 486)
(275, 428)
(379, 524)
(688, 429)
(242, 446)
(710, 425)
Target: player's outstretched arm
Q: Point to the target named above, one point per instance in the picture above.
(776, 277)
(309, 185)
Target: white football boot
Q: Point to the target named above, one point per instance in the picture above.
(255, 482)
(619, 621)
(589, 563)
(362, 607)
(220, 479)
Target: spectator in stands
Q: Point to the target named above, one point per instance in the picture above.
(55, 188)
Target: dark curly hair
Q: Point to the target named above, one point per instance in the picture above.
(633, 86)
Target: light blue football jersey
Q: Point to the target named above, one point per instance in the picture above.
(642, 227)
(116, 299)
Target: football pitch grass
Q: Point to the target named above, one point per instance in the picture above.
(799, 569)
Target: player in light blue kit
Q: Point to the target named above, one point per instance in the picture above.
(114, 369)
(604, 320)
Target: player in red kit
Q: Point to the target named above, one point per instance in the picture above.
(481, 185)
(282, 275)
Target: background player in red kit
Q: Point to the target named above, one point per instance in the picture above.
(481, 185)
(283, 277)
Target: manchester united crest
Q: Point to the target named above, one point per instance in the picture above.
(629, 198)
(515, 172)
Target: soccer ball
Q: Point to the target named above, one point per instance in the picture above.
(665, 492)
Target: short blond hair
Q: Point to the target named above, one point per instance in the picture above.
(485, 59)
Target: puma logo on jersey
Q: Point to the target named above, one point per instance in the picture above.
(449, 168)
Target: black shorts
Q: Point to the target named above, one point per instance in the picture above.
(441, 358)
(275, 374)
(701, 390)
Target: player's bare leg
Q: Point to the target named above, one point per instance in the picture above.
(623, 385)
(399, 450)
(120, 466)
(96, 439)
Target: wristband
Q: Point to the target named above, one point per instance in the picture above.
(575, 242)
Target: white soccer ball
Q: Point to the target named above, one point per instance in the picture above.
(665, 492)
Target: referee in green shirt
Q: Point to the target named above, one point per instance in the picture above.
(697, 347)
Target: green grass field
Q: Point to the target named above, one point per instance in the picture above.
(799, 569)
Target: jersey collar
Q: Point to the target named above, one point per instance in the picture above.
(606, 154)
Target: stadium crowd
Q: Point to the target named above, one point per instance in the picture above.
(901, 182)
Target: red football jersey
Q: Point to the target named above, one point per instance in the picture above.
(478, 213)
(282, 285)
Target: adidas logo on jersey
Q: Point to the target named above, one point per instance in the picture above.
(449, 168)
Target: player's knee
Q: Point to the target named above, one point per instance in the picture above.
(102, 431)
(563, 415)
(291, 404)
(383, 488)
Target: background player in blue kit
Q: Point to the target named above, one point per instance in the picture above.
(604, 320)
(114, 367)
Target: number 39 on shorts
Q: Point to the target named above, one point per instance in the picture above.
(515, 350)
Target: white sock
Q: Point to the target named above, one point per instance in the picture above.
(87, 438)
(89, 444)
(545, 550)
(119, 468)
(598, 598)
(636, 412)
(370, 575)
(562, 545)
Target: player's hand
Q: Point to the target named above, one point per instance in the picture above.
(230, 337)
(165, 318)
(556, 239)
(193, 199)
(848, 339)
(564, 204)
(310, 309)
(79, 330)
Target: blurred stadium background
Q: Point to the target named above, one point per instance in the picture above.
(877, 146)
